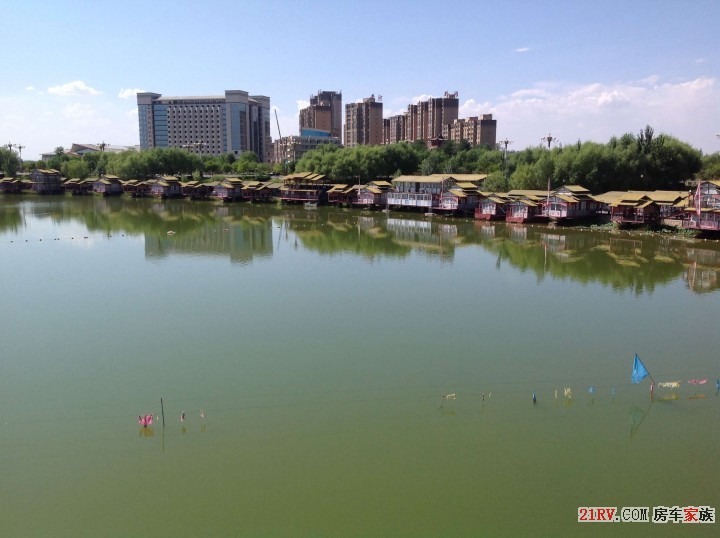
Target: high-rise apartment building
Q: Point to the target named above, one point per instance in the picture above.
(480, 131)
(440, 111)
(323, 113)
(213, 125)
(364, 123)
(394, 129)
(435, 120)
(423, 121)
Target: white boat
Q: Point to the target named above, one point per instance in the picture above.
(310, 205)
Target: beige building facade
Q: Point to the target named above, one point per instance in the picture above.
(292, 148)
(212, 125)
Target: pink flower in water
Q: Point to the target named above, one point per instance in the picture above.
(145, 421)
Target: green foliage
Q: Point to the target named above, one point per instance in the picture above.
(710, 166)
(9, 162)
(495, 182)
(57, 160)
(75, 168)
(361, 163)
(646, 161)
(525, 177)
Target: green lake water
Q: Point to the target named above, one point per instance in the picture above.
(319, 345)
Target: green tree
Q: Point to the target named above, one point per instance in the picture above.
(432, 164)
(710, 167)
(75, 168)
(9, 162)
(495, 182)
(57, 160)
(524, 177)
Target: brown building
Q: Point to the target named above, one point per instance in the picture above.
(423, 121)
(480, 131)
(324, 113)
(364, 123)
(394, 129)
(440, 111)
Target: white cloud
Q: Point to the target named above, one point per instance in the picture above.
(686, 110)
(424, 97)
(289, 124)
(129, 93)
(534, 93)
(473, 108)
(77, 87)
(647, 81)
(81, 113)
(30, 88)
(522, 49)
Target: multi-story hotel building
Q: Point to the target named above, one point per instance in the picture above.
(480, 131)
(323, 113)
(364, 123)
(214, 125)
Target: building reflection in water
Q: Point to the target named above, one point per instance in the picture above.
(243, 232)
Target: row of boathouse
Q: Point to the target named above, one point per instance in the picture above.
(449, 194)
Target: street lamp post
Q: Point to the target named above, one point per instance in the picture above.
(504, 144)
(19, 149)
(550, 139)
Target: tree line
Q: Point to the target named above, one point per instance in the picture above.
(150, 163)
(630, 162)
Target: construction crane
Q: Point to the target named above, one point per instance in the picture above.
(280, 139)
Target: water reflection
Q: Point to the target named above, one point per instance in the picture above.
(243, 232)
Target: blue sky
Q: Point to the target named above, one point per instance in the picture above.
(578, 70)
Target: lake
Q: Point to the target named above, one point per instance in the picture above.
(321, 347)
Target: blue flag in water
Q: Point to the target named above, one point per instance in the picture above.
(639, 372)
